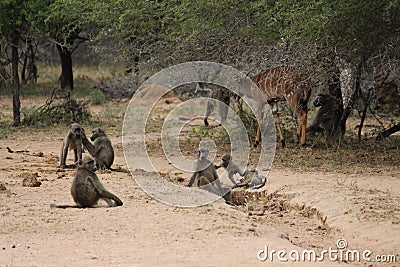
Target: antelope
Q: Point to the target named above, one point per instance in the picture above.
(277, 84)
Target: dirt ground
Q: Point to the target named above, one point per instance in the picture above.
(296, 210)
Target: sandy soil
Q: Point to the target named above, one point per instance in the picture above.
(294, 211)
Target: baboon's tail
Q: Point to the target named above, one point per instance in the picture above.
(263, 181)
(63, 206)
(119, 170)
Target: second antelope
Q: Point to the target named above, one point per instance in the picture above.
(281, 83)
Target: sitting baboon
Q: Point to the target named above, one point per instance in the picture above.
(230, 167)
(101, 149)
(252, 180)
(87, 189)
(328, 117)
(204, 172)
(223, 95)
(73, 140)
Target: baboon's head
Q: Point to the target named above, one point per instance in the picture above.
(321, 100)
(203, 153)
(225, 160)
(97, 133)
(75, 129)
(88, 163)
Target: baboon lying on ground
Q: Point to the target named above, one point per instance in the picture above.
(87, 189)
(205, 172)
(250, 178)
(101, 149)
(73, 140)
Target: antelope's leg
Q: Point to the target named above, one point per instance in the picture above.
(278, 126)
(258, 135)
(260, 116)
(303, 124)
(299, 129)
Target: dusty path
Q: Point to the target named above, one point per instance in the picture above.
(144, 232)
(294, 211)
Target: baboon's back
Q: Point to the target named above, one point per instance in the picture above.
(83, 191)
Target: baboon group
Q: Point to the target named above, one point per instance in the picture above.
(206, 175)
(86, 188)
(275, 84)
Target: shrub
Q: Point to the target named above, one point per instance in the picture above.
(97, 97)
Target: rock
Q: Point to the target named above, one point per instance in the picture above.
(30, 179)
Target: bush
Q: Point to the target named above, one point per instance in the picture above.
(97, 97)
(118, 87)
(67, 111)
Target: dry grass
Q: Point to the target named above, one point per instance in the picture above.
(50, 74)
(365, 157)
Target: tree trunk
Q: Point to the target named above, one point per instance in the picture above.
(23, 71)
(32, 68)
(136, 65)
(29, 65)
(15, 75)
(388, 132)
(66, 78)
(353, 98)
(366, 99)
(336, 92)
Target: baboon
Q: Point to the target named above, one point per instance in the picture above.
(205, 172)
(252, 180)
(223, 95)
(87, 189)
(101, 149)
(73, 140)
(230, 167)
(249, 178)
(328, 117)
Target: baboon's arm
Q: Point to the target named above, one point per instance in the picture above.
(64, 152)
(89, 146)
(192, 179)
(217, 166)
(216, 179)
